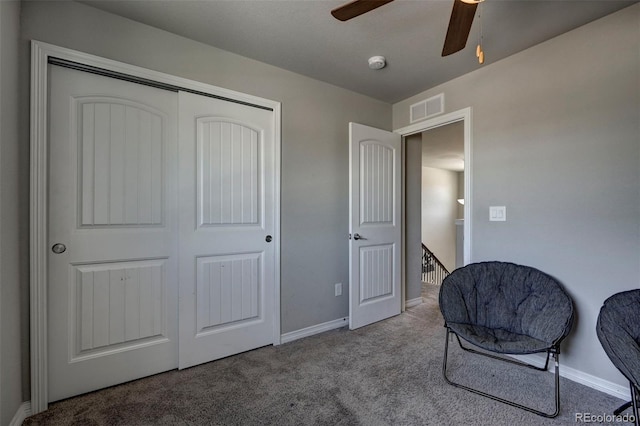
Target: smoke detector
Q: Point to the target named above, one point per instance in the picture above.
(377, 62)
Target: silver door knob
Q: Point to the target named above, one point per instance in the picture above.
(59, 248)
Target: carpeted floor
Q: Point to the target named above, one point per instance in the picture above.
(388, 373)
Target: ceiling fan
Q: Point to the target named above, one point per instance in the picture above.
(459, 25)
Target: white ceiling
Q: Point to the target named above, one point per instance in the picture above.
(443, 147)
(302, 36)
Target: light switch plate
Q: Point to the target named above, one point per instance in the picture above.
(498, 213)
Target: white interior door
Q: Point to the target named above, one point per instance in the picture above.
(375, 225)
(112, 266)
(227, 208)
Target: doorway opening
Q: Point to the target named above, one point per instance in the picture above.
(442, 199)
(442, 204)
(445, 145)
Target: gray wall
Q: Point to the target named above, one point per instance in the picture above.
(315, 156)
(439, 212)
(13, 221)
(556, 140)
(413, 211)
(460, 208)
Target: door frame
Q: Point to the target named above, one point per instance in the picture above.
(465, 115)
(41, 53)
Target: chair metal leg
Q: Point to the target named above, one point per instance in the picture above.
(500, 358)
(635, 399)
(622, 408)
(634, 404)
(555, 355)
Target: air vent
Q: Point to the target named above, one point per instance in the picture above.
(427, 108)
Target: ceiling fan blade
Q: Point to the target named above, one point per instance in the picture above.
(459, 27)
(357, 8)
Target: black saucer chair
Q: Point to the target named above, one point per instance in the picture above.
(506, 309)
(618, 329)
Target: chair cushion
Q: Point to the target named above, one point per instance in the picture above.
(498, 340)
(618, 329)
(509, 300)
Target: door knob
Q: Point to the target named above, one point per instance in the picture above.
(59, 248)
(358, 237)
(268, 238)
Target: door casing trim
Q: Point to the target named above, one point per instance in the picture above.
(466, 116)
(39, 244)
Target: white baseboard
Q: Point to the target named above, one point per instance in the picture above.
(314, 329)
(24, 411)
(613, 389)
(412, 302)
(581, 377)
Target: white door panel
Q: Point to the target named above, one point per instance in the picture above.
(375, 225)
(227, 192)
(112, 193)
(162, 254)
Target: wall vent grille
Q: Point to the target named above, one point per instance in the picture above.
(427, 108)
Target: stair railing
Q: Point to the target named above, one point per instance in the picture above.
(433, 271)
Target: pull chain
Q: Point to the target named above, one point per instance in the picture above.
(479, 51)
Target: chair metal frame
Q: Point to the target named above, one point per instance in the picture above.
(635, 398)
(605, 321)
(634, 403)
(554, 352)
